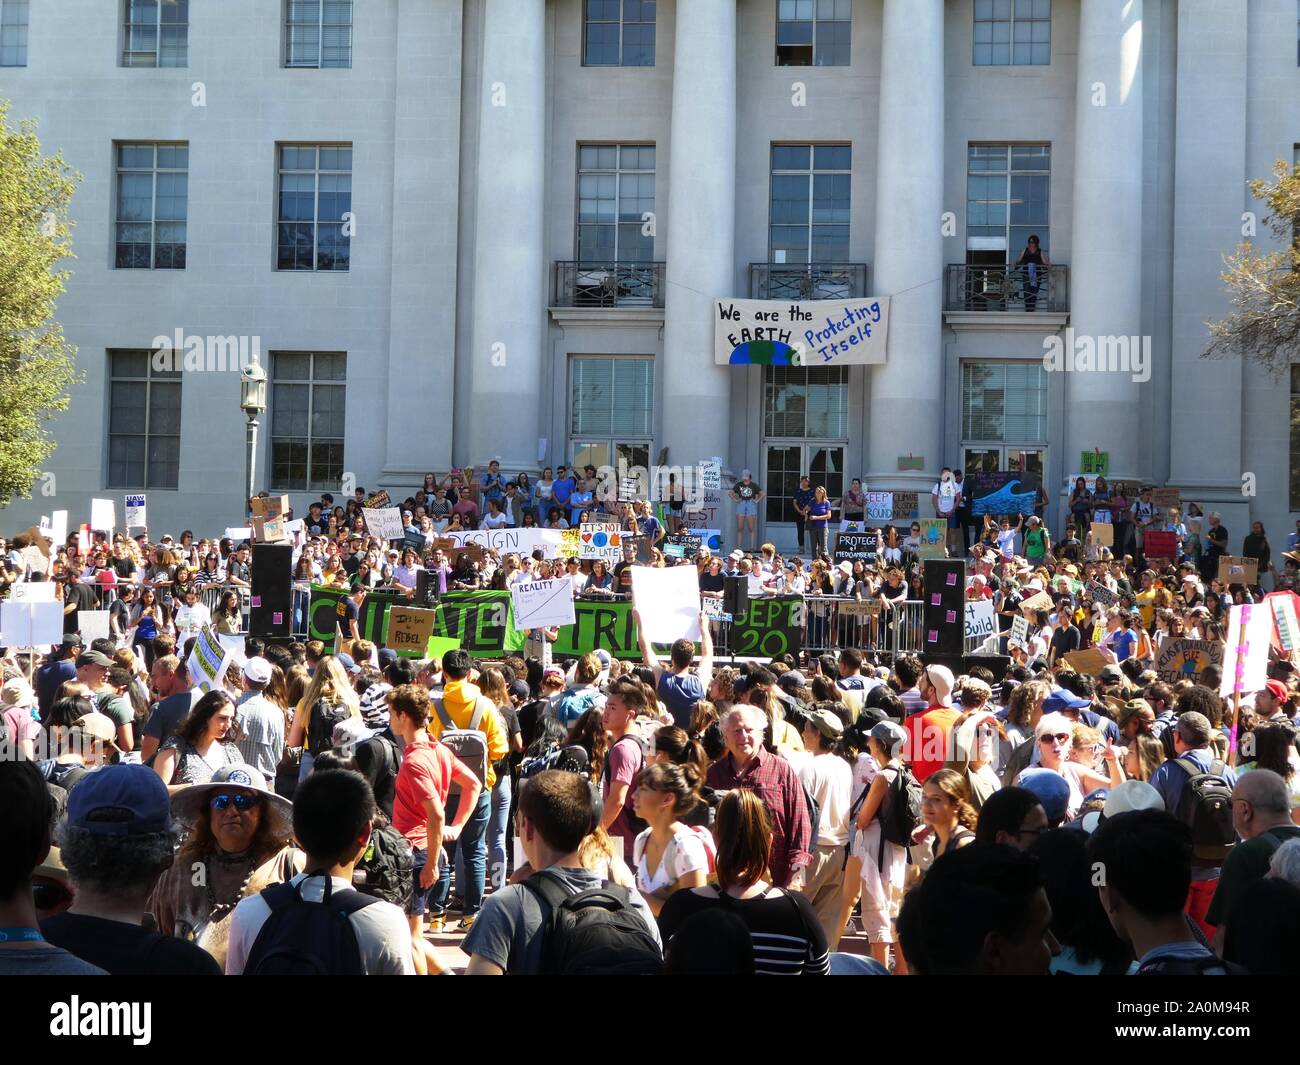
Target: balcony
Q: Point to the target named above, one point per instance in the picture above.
(1009, 289)
(807, 281)
(593, 284)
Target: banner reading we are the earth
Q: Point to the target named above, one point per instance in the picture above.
(800, 332)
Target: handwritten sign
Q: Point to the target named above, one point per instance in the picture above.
(602, 540)
(1096, 463)
(386, 523)
(1160, 544)
(1187, 659)
(934, 537)
(979, 619)
(543, 604)
(135, 512)
(850, 547)
(1019, 632)
(409, 628)
(1164, 498)
(814, 332)
(1101, 594)
(880, 506)
(906, 505)
(1235, 569)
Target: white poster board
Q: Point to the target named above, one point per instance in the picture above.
(32, 592)
(542, 604)
(1019, 632)
(668, 601)
(208, 661)
(102, 515)
(979, 619)
(602, 540)
(30, 625)
(1245, 655)
(93, 624)
(813, 332)
(386, 523)
(135, 513)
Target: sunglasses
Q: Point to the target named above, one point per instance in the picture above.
(242, 803)
(1060, 737)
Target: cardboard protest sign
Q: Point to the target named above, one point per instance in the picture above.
(906, 505)
(269, 517)
(979, 619)
(135, 513)
(1245, 655)
(1235, 569)
(1101, 594)
(386, 523)
(1160, 544)
(1187, 659)
(934, 538)
(814, 332)
(855, 608)
(1089, 661)
(668, 601)
(1037, 601)
(409, 629)
(1164, 498)
(1103, 533)
(1019, 632)
(542, 604)
(602, 540)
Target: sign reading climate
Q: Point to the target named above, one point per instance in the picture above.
(808, 333)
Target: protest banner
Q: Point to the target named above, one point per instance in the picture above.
(906, 506)
(1103, 533)
(518, 541)
(1245, 655)
(1236, 569)
(482, 621)
(135, 513)
(1019, 632)
(408, 629)
(386, 523)
(934, 538)
(850, 547)
(979, 619)
(997, 492)
(880, 506)
(30, 625)
(324, 610)
(668, 601)
(1187, 659)
(102, 515)
(208, 661)
(809, 333)
(601, 540)
(542, 604)
(1089, 661)
(1160, 544)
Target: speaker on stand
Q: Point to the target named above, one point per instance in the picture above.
(944, 615)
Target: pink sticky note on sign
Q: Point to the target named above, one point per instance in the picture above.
(277, 618)
(932, 636)
(255, 601)
(950, 617)
(936, 599)
(952, 579)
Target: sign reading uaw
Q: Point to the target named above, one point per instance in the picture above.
(807, 333)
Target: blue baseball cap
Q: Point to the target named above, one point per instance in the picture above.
(347, 662)
(1051, 790)
(1060, 699)
(120, 800)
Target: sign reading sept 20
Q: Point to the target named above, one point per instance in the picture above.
(813, 332)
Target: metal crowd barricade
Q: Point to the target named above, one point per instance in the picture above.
(833, 623)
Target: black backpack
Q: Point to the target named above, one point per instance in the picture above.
(902, 808)
(1189, 966)
(1205, 806)
(302, 938)
(320, 724)
(595, 932)
(814, 814)
(385, 869)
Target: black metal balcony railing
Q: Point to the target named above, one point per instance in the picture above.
(807, 281)
(1019, 289)
(594, 284)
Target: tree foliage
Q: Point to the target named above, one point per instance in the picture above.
(1264, 287)
(37, 364)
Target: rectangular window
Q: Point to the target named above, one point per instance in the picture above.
(144, 422)
(13, 33)
(611, 397)
(1007, 188)
(809, 211)
(806, 402)
(1004, 402)
(307, 406)
(318, 33)
(616, 191)
(152, 204)
(1013, 33)
(315, 194)
(813, 33)
(157, 33)
(618, 33)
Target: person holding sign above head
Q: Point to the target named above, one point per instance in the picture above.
(747, 496)
(677, 687)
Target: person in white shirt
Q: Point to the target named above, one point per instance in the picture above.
(830, 779)
(333, 816)
(261, 722)
(496, 517)
(192, 618)
(946, 497)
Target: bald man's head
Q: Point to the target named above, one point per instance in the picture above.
(1260, 801)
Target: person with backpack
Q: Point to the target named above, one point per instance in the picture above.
(787, 936)
(564, 919)
(1144, 862)
(419, 806)
(829, 781)
(1261, 814)
(318, 924)
(1197, 789)
(583, 694)
(329, 699)
(669, 856)
(883, 824)
(467, 723)
(625, 700)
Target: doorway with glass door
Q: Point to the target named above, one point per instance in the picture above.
(986, 459)
(784, 463)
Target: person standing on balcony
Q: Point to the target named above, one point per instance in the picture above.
(1034, 260)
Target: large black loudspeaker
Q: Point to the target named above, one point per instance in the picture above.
(944, 618)
(271, 594)
(735, 595)
(426, 589)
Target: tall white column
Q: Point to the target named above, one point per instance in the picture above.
(907, 392)
(509, 323)
(1102, 408)
(701, 229)
(1209, 182)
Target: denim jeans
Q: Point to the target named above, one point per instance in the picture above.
(499, 832)
(472, 848)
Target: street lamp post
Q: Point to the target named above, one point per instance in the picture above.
(252, 399)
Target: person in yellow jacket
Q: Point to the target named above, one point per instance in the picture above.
(459, 700)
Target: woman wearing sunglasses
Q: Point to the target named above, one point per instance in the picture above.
(1053, 735)
(238, 844)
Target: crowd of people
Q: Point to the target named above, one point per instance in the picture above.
(835, 810)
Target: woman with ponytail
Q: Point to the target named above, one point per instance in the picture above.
(679, 747)
(669, 856)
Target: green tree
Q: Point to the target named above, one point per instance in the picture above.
(37, 366)
(1264, 287)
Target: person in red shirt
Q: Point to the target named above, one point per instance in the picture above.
(929, 732)
(427, 773)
